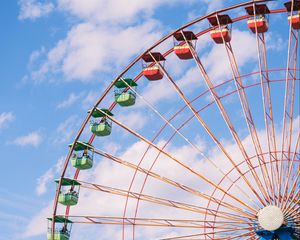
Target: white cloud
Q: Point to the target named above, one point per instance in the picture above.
(5, 118)
(89, 99)
(116, 12)
(31, 139)
(134, 120)
(85, 52)
(69, 101)
(164, 89)
(38, 223)
(49, 176)
(107, 173)
(213, 5)
(66, 130)
(217, 61)
(32, 9)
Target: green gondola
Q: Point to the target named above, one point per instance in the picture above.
(103, 127)
(68, 198)
(122, 97)
(58, 235)
(82, 146)
(62, 232)
(85, 161)
(82, 163)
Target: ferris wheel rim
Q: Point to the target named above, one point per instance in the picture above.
(130, 65)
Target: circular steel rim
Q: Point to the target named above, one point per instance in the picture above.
(139, 76)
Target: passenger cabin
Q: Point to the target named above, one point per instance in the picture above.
(221, 24)
(151, 69)
(184, 41)
(259, 24)
(62, 231)
(68, 197)
(258, 21)
(295, 21)
(294, 14)
(83, 158)
(125, 94)
(103, 126)
(221, 35)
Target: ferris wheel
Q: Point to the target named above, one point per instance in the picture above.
(188, 145)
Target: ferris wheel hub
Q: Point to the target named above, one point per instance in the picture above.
(270, 218)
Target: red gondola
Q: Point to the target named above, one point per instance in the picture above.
(181, 41)
(153, 73)
(219, 34)
(258, 20)
(183, 52)
(295, 20)
(260, 23)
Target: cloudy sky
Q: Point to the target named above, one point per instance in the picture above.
(58, 56)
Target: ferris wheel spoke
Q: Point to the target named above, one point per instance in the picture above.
(293, 202)
(247, 113)
(289, 178)
(291, 72)
(225, 116)
(208, 130)
(222, 232)
(292, 193)
(230, 209)
(295, 215)
(228, 122)
(296, 202)
(196, 173)
(238, 236)
(151, 222)
(267, 106)
(295, 220)
(168, 122)
(176, 184)
(226, 176)
(290, 199)
(168, 202)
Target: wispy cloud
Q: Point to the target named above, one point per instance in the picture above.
(89, 99)
(14, 212)
(69, 101)
(5, 118)
(48, 176)
(31, 139)
(84, 51)
(100, 43)
(66, 130)
(114, 12)
(32, 9)
(38, 223)
(135, 120)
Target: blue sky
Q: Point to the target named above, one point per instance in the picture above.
(58, 56)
